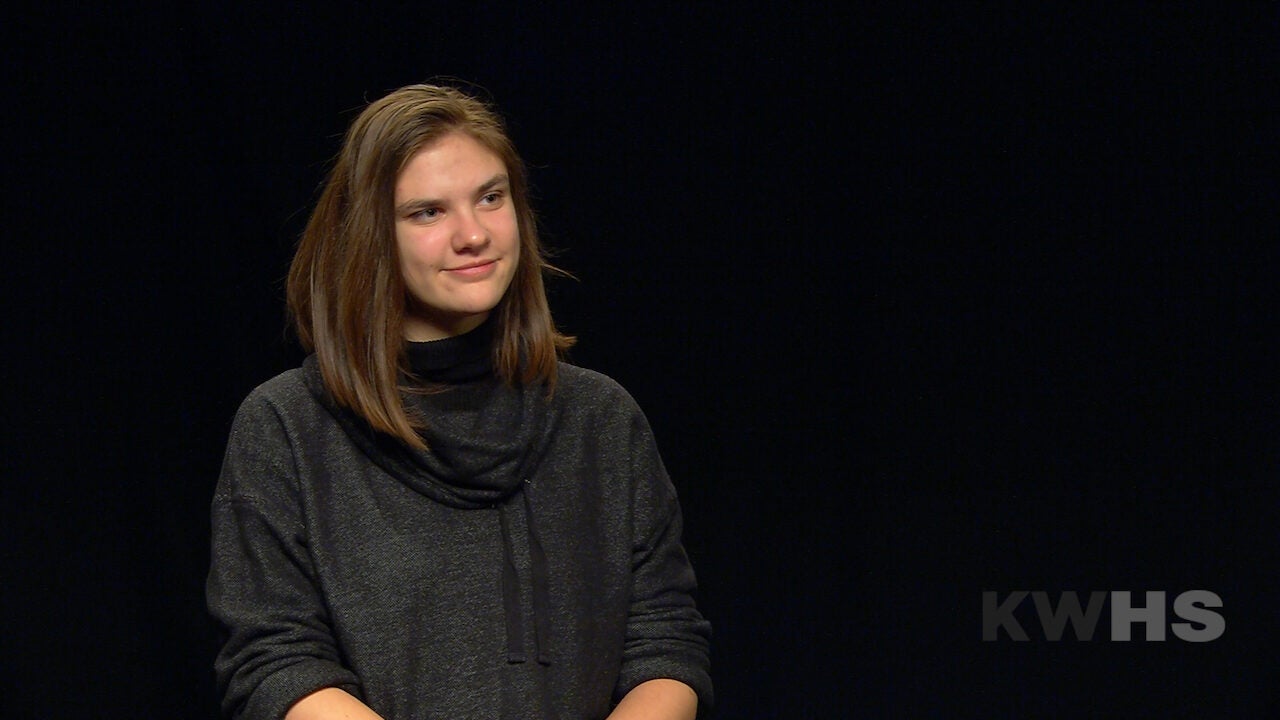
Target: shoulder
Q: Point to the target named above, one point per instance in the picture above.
(596, 408)
(600, 407)
(286, 401)
(281, 393)
(579, 386)
(259, 453)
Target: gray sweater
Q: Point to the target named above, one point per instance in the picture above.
(528, 566)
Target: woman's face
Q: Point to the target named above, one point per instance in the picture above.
(457, 236)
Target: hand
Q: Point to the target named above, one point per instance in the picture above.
(330, 704)
(661, 699)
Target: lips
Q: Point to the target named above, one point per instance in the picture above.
(478, 269)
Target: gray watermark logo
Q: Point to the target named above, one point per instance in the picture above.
(1201, 624)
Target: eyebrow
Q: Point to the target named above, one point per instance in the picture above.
(409, 207)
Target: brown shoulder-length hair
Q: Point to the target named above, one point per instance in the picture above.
(346, 293)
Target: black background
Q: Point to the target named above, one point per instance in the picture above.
(921, 300)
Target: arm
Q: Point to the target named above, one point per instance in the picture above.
(661, 699)
(666, 651)
(262, 587)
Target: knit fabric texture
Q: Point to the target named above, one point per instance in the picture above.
(528, 565)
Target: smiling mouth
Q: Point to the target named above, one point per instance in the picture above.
(475, 269)
(474, 265)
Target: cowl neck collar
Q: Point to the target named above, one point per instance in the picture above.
(484, 437)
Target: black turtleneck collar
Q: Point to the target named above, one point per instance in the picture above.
(460, 358)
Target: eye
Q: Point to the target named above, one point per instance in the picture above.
(493, 198)
(425, 214)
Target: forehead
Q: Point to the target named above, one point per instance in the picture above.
(454, 163)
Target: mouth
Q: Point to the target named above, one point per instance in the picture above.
(474, 269)
(476, 264)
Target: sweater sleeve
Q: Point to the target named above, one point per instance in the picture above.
(262, 587)
(666, 636)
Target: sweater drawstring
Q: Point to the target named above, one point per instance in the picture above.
(541, 600)
(511, 594)
(511, 587)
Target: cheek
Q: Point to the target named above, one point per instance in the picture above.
(415, 252)
(404, 248)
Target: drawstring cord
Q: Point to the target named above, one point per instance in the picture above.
(511, 586)
(541, 601)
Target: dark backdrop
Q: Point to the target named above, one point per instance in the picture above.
(921, 300)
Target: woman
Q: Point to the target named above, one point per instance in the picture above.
(434, 516)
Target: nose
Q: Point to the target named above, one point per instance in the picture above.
(470, 234)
